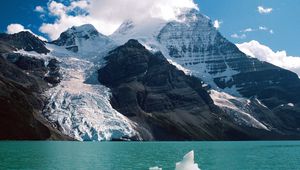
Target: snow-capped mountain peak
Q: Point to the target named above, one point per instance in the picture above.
(144, 31)
(126, 26)
(190, 34)
(192, 15)
(86, 31)
(84, 40)
(82, 28)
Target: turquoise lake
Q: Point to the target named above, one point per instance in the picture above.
(283, 155)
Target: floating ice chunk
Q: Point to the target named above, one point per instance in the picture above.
(155, 168)
(291, 104)
(187, 163)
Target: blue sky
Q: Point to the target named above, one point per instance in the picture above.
(16, 11)
(234, 15)
(237, 15)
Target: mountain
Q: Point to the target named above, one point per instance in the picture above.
(150, 80)
(197, 46)
(84, 40)
(23, 40)
(145, 31)
(247, 89)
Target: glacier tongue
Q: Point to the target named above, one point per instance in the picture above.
(83, 111)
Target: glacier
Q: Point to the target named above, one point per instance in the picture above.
(79, 109)
(83, 111)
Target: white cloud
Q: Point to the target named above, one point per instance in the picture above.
(39, 9)
(81, 4)
(239, 36)
(263, 10)
(263, 28)
(248, 30)
(57, 9)
(217, 24)
(265, 53)
(16, 28)
(107, 15)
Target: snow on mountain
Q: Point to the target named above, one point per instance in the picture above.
(240, 109)
(192, 44)
(145, 31)
(85, 41)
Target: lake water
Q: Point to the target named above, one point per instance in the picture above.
(142, 155)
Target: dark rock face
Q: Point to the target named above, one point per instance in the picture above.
(162, 99)
(29, 64)
(50, 72)
(25, 77)
(19, 104)
(21, 85)
(22, 40)
(73, 48)
(53, 76)
(4, 47)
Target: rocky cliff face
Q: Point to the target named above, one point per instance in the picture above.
(23, 79)
(23, 40)
(19, 104)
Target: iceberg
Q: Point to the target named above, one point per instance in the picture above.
(187, 163)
